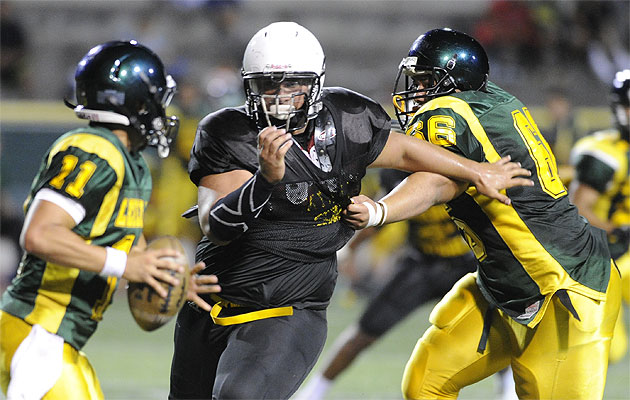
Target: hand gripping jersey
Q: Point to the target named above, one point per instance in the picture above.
(92, 167)
(537, 245)
(601, 160)
(288, 256)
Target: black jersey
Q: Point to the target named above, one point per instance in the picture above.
(288, 256)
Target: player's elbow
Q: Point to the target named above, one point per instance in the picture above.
(206, 228)
(33, 240)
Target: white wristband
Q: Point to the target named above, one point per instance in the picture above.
(115, 263)
(384, 217)
(375, 215)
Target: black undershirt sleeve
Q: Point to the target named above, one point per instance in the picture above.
(231, 216)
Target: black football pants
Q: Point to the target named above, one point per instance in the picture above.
(264, 359)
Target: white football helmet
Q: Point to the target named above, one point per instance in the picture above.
(287, 55)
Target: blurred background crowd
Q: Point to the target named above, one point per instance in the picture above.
(559, 57)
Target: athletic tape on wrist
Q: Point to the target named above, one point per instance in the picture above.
(375, 215)
(115, 263)
(384, 207)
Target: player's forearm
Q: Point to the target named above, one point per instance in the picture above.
(586, 209)
(594, 220)
(59, 245)
(585, 198)
(230, 216)
(204, 223)
(417, 193)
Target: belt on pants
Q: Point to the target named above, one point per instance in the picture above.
(221, 304)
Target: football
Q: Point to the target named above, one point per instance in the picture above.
(147, 307)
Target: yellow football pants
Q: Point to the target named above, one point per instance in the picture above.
(619, 344)
(78, 380)
(561, 358)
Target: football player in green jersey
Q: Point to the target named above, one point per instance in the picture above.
(83, 226)
(546, 294)
(601, 190)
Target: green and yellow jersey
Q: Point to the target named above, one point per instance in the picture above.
(537, 245)
(91, 167)
(601, 162)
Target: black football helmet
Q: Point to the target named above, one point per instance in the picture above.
(620, 102)
(124, 83)
(439, 62)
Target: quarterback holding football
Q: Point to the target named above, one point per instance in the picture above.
(83, 226)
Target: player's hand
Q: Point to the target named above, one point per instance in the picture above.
(201, 284)
(151, 266)
(273, 144)
(356, 214)
(500, 175)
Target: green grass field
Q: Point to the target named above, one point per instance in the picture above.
(133, 364)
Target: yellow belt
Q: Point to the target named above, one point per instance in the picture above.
(245, 317)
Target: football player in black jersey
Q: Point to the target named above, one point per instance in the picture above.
(274, 176)
(546, 294)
